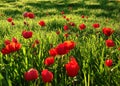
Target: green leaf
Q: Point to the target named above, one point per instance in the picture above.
(1, 77)
(9, 82)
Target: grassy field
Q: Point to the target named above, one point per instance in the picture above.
(90, 50)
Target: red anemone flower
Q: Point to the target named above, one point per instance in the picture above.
(96, 25)
(9, 19)
(27, 34)
(110, 43)
(61, 49)
(49, 61)
(107, 31)
(72, 67)
(31, 74)
(30, 15)
(47, 76)
(41, 23)
(109, 62)
(82, 26)
(53, 52)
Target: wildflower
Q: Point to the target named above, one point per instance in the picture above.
(53, 52)
(47, 76)
(107, 31)
(9, 19)
(30, 15)
(27, 34)
(110, 43)
(82, 26)
(49, 61)
(72, 67)
(31, 74)
(66, 27)
(109, 62)
(96, 25)
(41, 23)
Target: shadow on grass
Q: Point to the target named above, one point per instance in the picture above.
(12, 12)
(40, 7)
(108, 9)
(61, 6)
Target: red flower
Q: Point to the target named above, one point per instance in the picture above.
(36, 42)
(107, 31)
(25, 14)
(66, 27)
(110, 43)
(27, 34)
(33, 45)
(119, 48)
(42, 23)
(96, 25)
(61, 49)
(58, 32)
(69, 45)
(32, 74)
(7, 42)
(109, 62)
(17, 46)
(72, 24)
(72, 58)
(82, 26)
(14, 40)
(12, 47)
(9, 19)
(64, 16)
(67, 19)
(72, 67)
(62, 12)
(49, 61)
(82, 16)
(12, 23)
(53, 52)
(47, 76)
(5, 51)
(66, 35)
(30, 15)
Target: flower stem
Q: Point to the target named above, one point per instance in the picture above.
(88, 79)
(85, 79)
(47, 84)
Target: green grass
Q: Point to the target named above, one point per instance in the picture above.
(90, 51)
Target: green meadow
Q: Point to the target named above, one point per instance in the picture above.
(90, 51)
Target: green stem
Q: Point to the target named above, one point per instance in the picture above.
(48, 84)
(85, 79)
(110, 76)
(88, 79)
